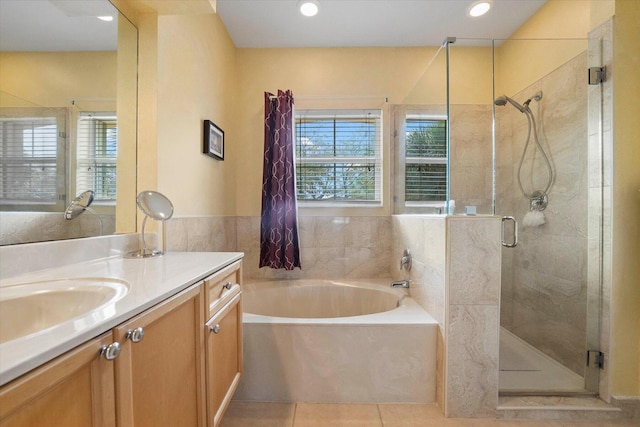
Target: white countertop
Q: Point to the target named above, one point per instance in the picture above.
(151, 280)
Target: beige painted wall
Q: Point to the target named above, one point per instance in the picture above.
(625, 340)
(127, 97)
(196, 81)
(601, 10)
(50, 79)
(521, 60)
(147, 177)
(525, 57)
(470, 70)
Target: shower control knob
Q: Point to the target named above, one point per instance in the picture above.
(135, 335)
(215, 329)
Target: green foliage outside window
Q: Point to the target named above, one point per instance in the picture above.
(425, 164)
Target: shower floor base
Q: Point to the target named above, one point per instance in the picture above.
(525, 369)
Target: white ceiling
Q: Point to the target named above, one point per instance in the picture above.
(358, 23)
(72, 24)
(50, 25)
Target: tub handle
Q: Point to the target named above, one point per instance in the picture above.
(215, 329)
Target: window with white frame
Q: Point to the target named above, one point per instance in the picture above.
(32, 159)
(96, 155)
(421, 162)
(338, 157)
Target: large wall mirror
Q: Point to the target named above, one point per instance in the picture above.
(68, 120)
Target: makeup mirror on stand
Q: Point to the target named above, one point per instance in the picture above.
(156, 206)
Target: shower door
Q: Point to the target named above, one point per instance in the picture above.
(550, 298)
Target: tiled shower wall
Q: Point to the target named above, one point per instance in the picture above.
(471, 163)
(544, 279)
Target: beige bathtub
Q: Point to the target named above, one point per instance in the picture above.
(336, 341)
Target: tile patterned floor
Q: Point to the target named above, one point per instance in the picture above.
(263, 414)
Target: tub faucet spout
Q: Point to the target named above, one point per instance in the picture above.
(401, 284)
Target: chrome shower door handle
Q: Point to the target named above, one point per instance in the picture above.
(514, 243)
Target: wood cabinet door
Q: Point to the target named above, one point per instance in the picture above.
(159, 378)
(224, 358)
(75, 389)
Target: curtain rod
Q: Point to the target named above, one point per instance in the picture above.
(73, 101)
(386, 99)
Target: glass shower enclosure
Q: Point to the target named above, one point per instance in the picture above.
(522, 130)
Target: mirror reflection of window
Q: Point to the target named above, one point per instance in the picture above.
(32, 166)
(33, 169)
(96, 155)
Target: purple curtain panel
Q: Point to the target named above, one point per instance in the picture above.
(279, 245)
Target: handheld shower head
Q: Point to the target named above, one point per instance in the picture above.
(502, 101)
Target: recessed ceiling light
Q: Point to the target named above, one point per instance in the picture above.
(479, 8)
(308, 7)
(106, 18)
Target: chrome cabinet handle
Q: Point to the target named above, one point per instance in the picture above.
(227, 285)
(215, 329)
(111, 351)
(135, 335)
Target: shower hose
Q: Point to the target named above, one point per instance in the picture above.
(532, 124)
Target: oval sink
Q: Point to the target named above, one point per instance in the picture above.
(29, 308)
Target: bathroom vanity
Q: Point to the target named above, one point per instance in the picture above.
(168, 352)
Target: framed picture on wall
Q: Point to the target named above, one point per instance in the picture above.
(213, 140)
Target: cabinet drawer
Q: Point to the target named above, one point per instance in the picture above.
(221, 287)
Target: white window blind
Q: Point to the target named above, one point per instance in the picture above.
(339, 157)
(425, 160)
(96, 155)
(32, 162)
